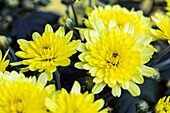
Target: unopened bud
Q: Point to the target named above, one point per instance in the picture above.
(66, 22)
(142, 106)
(45, 2)
(12, 3)
(156, 77)
(8, 18)
(4, 42)
(87, 83)
(28, 5)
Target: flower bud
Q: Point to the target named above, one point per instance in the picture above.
(142, 106)
(28, 5)
(44, 2)
(8, 18)
(4, 42)
(87, 83)
(156, 77)
(66, 22)
(12, 3)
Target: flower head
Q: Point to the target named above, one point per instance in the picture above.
(23, 95)
(121, 15)
(115, 57)
(163, 105)
(74, 102)
(3, 63)
(163, 23)
(46, 52)
(66, 22)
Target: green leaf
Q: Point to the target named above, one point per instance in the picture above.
(124, 104)
(152, 91)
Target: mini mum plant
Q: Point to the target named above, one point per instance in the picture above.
(116, 62)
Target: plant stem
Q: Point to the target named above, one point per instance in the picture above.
(68, 11)
(160, 55)
(57, 80)
(162, 64)
(75, 14)
(90, 2)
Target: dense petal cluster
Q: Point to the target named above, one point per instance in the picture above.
(115, 57)
(74, 102)
(3, 63)
(163, 105)
(46, 52)
(23, 95)
(121, 15)
(163, 23)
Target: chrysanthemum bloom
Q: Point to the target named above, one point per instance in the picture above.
(121, 15)
(163, 23)
(74, 102)
(46, 52)
(163, 105)
(115, 57)
(3, 63)
(24, 95)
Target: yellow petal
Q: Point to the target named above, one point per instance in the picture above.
(82, 47)
(100, 103)
(125, 85)
(79, 65)
(16, 63)
(48, 28)
(42, 79)
(69, 36)
(98, 25)
(116, 90)
(63, 30)
(138, 79)
(76, 88)
(97, 88)
(147, 71)
(134, 89)
(112, 24)
(49, 75)
(35, 34)
(129, 28)
(52, 106)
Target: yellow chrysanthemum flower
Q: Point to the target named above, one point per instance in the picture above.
(46, 52)
(3, 63)
(115, 57)
(23, 95)
(163, 23)
(168, 7)
(163, 105)
(121, 15)
(74, 102)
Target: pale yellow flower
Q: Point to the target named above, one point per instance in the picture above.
(48, 51)
(115, 57)
(23, 95)
(163, 23)
(121, 15)
(163, 105)
(74, 102)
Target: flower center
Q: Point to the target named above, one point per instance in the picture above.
(113, 58)
(18, 106)
(121, 25)
(46, 47)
